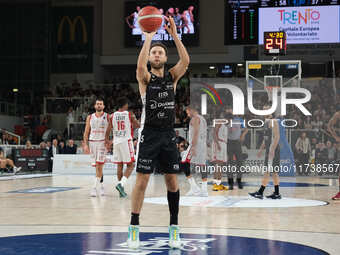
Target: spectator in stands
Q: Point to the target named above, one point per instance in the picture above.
(62, 148)
(80, 149)
(42, 146)
(69, 120)
(9, 140)
(314, 143)
(48, 145)
(317, 123)
(331, 152)
(307, 123)
(4, 138)
(51, 153)
(28, 145)
(71, 148)
(84, 114)
(321, 154)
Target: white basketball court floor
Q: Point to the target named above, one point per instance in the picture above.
(55, 215)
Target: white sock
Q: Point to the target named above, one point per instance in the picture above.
(204, 185)
(96, 182)
(192, 182)
(123, 181)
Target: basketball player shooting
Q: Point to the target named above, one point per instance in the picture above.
(94, 142)
(157, 138)
(331, 129)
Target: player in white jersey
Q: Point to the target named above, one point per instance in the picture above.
(135, 25)
(94, 142)
(196, 153)
(188, 18)
(122, 123)
(219, 154)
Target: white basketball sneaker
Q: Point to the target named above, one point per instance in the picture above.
(133, 237)
(93, 192)
(194, 192)
(16, 169)
(102, 191)
(174, 237)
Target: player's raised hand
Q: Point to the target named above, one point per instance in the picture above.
(172, 30)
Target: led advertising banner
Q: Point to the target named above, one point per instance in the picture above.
(309, 24)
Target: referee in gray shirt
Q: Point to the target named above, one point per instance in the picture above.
(236, 135)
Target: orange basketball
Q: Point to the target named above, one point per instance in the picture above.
(150, 19)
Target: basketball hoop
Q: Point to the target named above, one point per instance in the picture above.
(269, 90)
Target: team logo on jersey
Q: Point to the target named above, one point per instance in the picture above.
(161, 115)
(153, 104)
(163, 94)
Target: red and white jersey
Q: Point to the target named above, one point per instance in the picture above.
(222, 133)
(98, 126)
(121, 126)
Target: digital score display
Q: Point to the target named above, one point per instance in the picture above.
(274, 43)
(31, 159)
(242, 18)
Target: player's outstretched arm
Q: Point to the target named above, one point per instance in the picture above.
(182, 65)
(143, 76)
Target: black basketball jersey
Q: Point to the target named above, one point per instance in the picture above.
(268, 135)
(159, 102)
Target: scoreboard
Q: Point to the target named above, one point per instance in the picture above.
(31, 159)
(242, 17)
(241, 22)
(274, 43)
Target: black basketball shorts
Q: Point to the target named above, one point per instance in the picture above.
(157, 148)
